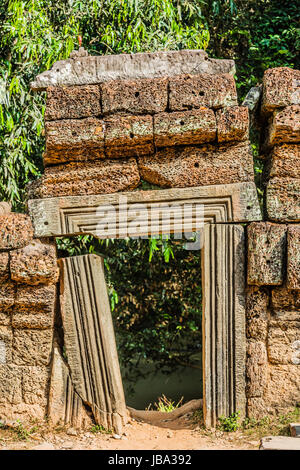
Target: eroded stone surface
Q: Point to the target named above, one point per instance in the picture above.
(257, 302)
(65, 405)
(37, 320)
(184, 128)
(198, 166)
(293, 257)
(127, 136)
(23, 393)
(194, 91)
(4, 267)
(5, 344)
(285, 161)
(5, 207)
(10, 385)
(72, 102)
(285, 299)
(39, 298)
(257, 369)
(146, 96)
(98, 69)
(35, 382)
(76, 179)
(70, 140)
(266, 253)
(283, 199)
(15, 231)
(233, 124)
(32, 347)
(5, 317)
(281, 87)
(7, 295)
(284, 127)
(284, 316)
(283, 391)
(35, 264)
(256, 408)
(281, 338)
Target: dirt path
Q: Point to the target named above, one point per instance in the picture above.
(178, 435)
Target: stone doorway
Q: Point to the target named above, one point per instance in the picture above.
(223, 268)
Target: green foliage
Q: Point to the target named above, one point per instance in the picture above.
(266, 425)
(157, 305)
(271, 425)
(229, 423)
(97, 428)
(166, 405)
(22, 432)
(36, 33)
(258, 34)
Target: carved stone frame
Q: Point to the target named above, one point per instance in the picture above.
(223, 272)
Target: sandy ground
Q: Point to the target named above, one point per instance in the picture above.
(178, 435)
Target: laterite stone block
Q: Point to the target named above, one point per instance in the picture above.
(5, 345)
(233, 124)
(7, 295)
(285, 161)
(284, 299)
(34, 307)
(194, 91)
(284, 127)
(72, 102)
(197, 166)
(128, 136)
(35, 264)
(10, 385)
(4, 267)
(257, 302)
(78, 179)
(15, 231)
(184, 128)
(281, 87)
(257, 369)
(70, 140)
(281, 338)
(283, 391)
(32, 347)
(293, 257)
(283, 199)
(145, 96)
(266, 252)
(35, 299)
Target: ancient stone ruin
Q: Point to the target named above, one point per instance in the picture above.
(171, 119)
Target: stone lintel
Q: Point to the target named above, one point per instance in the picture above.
(80, 214)
(98, 69)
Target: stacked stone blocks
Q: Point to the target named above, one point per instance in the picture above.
(180, 131)
(273, 274)
(27, 303)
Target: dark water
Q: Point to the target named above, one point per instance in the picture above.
(185, 381)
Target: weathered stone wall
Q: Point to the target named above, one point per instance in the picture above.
(178, 130)
(273, 297)
(173, 120)
(29, 274)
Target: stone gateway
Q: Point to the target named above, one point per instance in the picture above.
(171, 119)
